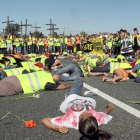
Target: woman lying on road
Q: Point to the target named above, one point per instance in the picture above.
(80, 114)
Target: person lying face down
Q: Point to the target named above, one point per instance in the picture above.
(30, 83)
(80, 114)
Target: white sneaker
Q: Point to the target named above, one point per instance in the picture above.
(94, 91)
(105, 79)
(112, 82)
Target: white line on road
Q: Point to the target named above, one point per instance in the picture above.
(120, 104)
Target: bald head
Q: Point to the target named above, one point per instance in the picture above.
(56, 77)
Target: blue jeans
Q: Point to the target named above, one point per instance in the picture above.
(66, 48)
(52, 49)
(72, 69)
(1, 75)
(19, 49)
(62, 44)
(135, 68)
(32, 48)
(76, 88)
(40, 49)
(24, 50)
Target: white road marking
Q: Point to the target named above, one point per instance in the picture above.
(120, 104)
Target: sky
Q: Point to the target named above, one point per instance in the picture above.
(90, 16)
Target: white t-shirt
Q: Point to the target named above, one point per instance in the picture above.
(73, 106)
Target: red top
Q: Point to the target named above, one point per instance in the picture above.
(133, 63)
(47, 55)
(40, 65)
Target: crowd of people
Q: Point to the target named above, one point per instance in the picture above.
(112, 43)
(29, 64)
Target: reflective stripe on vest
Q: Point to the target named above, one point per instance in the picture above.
(30, 66)
(11, 60)
(31, 82)
(115, 66)
(13, 72)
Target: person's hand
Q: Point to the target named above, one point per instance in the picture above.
(62, 129)
(110, 106)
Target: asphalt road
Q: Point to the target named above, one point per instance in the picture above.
(124, 126)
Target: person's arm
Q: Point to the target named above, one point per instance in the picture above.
(49, 125)
(95, 74)
(63, 86)
(110, 107)
(102, 65)
(1, 69)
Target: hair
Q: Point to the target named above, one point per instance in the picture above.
(47, 67)
(89, 130)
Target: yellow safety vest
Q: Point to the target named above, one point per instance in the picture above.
(30, 66)
(114, 66)
(35, 81)
(17, 71)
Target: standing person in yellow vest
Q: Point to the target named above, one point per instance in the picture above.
(32, 47)
(30, 83)
(52, 47)
(58, 45)
(62, 43)
(18, 43)
(3, 44)
(14, 44)
(41, 45)
(66, 42)
(9, 43)
(136, 39)
(109, 43)
(23, 44)
(29, 44)
(46, 44)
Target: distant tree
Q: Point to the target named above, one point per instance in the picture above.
(84, 33)
(36, 34)
(55, 34)
(14, 29)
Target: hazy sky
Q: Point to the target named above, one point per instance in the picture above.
(91, 16)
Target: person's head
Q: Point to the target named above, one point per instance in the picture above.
(109, 35)
(114, 35)
(135, 31)
(56, 77)
(47, 67)
(88, 127)
(128, 34)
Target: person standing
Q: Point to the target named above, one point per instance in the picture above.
(9, 43)
(52, 47)
(136, 39)
(62, 43)
(41, 45)
(66, 42)
(29, 44)
(78, 41)
(69, 45)
(58, 45)
(18, 45)
(109, 43)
